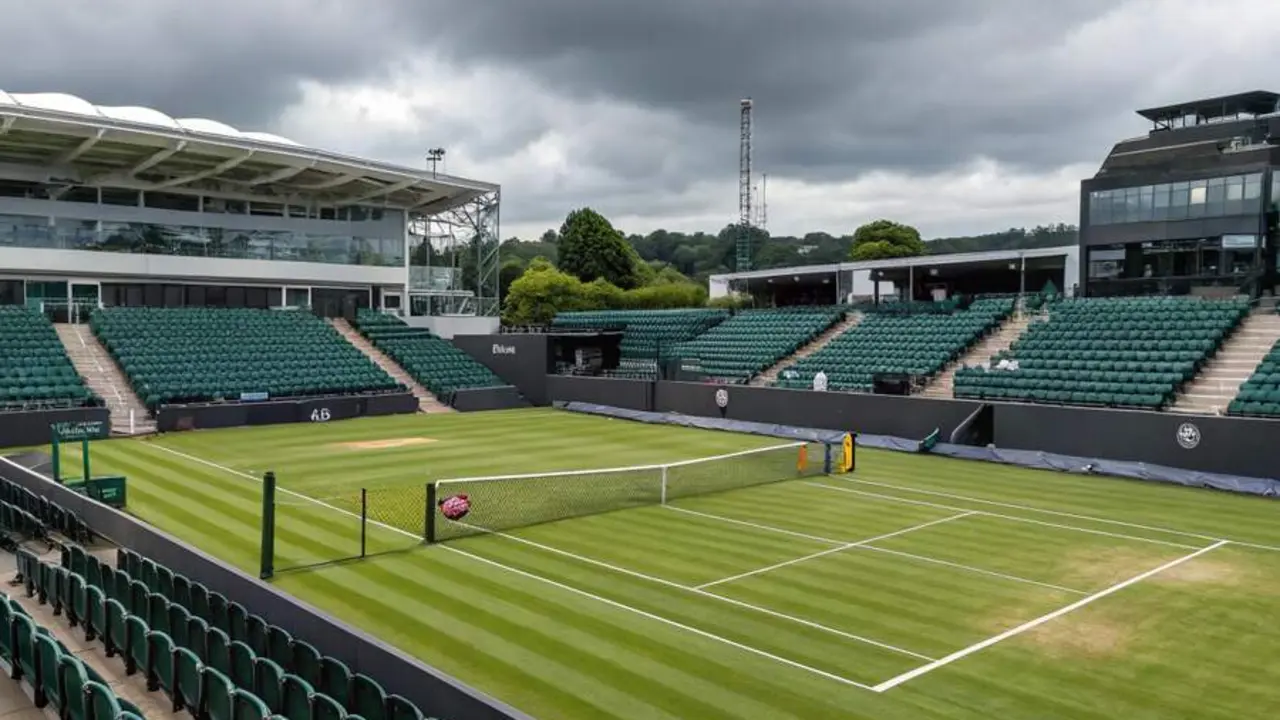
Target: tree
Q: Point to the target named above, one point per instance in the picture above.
(541, 292)
(883, 239)
(590, 248)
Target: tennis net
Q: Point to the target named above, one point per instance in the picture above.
(504, 502)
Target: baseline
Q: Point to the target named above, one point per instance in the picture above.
(829, 551)
(1031, 624)
(1059, 513)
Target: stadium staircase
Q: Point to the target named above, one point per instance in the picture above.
(427, 402)
(1220, 380)
(770, 376)
(943, 384)
(128, 414)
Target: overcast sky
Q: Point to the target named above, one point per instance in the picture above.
(958, 116)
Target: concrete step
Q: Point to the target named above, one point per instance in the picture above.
(770, 376)
(91, 360)
(427, 402)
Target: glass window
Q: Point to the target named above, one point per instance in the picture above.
(1234, 191)
(1179, 198)
(120, 196)
(1160, 202)
(1252, 190)
(266, 209)
(80, 194)
(1146, 197)
(171, 201)
(1215, 198)
(359, 213)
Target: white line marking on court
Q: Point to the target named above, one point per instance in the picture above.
(922, 558)
(757, 526)
(281, 490)
(896, 681)
(1014, 518)
(1014, 506)
(658, 618)
(830, 551)
(972, 569)
(698, 591)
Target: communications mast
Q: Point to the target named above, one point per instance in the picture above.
(744, 186)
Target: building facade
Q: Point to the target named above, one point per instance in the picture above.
(1188, 208)
(126, 206)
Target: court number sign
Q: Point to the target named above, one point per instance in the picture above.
(320, 415)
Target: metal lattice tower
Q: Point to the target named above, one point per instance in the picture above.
(744, 186)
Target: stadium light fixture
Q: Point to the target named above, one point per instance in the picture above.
(435, 156)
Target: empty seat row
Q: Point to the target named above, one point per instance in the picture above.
(433, 361)
(1259, 396)
(918, 343)
(752, 341)
(1118, 352)
(646, 334)
(58, 680)
(184, 355)
(35, 371)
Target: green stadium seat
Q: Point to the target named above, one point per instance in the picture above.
(268, 682)
(296, 696)
(186, 679)
(95, 619)
(116, 639)
(247, 706)
(1121, 352)
(45, 683)
(160, 662)
(432, 361)
(752, 341)
(102, 703)
(242, 664)
(917, 339)
(74, 679)
(218, 651)
(306, 662)
(216, 690)
(198, 636)
(35, 371)
(398, 708)
(137, 656)
(205, 354)
(368, 699)
(324, 707)
(335, 680)
(648, 336)
(179, 619)
(1259, 396)
(256, 630)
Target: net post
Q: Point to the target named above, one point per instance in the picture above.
(826, 458)
(56, 447)
(364, 519)
(84, 458)
(268, 526)
(663, 498)
(429, 522)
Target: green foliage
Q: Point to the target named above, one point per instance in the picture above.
(1040, 236)
(883, 239)
(542, 291)
(589, 248)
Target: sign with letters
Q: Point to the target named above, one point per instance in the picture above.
(504, 349)
(320, 415)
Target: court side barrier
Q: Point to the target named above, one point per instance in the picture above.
(1022, 458)
(434, 692)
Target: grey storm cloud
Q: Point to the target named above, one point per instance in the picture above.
(842, 87)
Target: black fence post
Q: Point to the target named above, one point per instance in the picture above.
(429, 522)
(268, 526)
(364, 519)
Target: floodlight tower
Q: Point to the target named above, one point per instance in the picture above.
(744, 186)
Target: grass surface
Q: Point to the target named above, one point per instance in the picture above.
(753, 604)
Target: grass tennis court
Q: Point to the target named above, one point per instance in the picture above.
(917, 587)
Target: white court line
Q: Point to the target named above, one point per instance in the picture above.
(1014, 506)
(283, 491)
(697, 591)
(830, 551)
(658, 618)
(921, 558)
(972, 569)
(650, 578)
(912, 674)
(1014, 518)
(757, 526)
